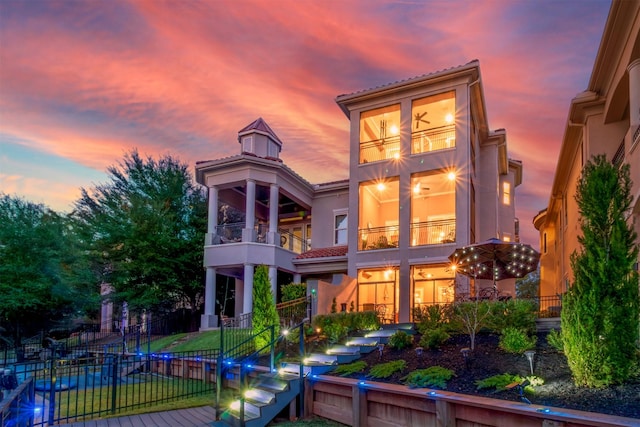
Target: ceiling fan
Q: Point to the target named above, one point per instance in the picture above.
(418, 117)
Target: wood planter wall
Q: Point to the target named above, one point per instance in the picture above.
(372, 404)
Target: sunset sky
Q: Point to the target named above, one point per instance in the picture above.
(82, 82)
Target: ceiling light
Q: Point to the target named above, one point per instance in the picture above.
(381, 186)
(448, 118)
(451, 176)
(393, 129)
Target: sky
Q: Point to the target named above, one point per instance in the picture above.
(83, 82)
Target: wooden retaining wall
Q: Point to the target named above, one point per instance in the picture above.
(374, 404)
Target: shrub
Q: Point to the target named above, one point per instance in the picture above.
(351, 368)
(516, 341)
(265, 314)
(385, 370)
(434, 376)
(514, 313)
(434, 338)
(293, 291)
(473, 316)
(400, 340)
(335, 332)
(338, 325)
(432, 317)
(501, 381)
(554, 338)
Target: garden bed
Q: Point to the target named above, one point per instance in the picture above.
(488, 360)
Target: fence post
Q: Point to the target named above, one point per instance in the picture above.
(52, 387)
(114, 380)
(272, 360)
(301, 413)
(219, 363)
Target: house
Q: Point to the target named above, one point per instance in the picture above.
(604, 119)
(426, 175)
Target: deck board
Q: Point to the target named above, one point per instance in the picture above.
(202, 416)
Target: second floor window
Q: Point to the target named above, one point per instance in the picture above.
(340, 228)
(506, 193)
(380, 134)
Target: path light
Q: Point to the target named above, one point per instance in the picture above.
(419, 351)
(380, 349)
(530, 354)
(466, 352)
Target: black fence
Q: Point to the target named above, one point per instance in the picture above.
(62, 390)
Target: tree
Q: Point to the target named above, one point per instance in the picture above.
(600, 310)
(264, 309)
(144, 229)
(473, 316)
(527, 287)
(42, 279)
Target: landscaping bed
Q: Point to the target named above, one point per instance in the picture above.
(488, 360)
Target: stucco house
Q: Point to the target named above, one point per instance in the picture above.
(604, 119)
(426, 175)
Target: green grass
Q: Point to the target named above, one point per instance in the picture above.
(208, 340)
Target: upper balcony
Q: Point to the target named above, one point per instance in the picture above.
(434, 139)
(236, 233)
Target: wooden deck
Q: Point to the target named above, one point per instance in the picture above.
(202, 416)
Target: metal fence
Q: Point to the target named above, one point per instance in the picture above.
(75, 389)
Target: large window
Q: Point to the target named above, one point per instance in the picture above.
(433, 123)
(379, 211)
(380, 134)
(433, 208)
(340, 227)
(378, 291)
(432, 285)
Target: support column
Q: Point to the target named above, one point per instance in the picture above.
(297, 278)
(209, 319)
(212, 219)
(273, 279)
(634, 93)
(248, 234)
(274, 198)
(247, 302)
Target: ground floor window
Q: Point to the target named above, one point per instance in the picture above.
(378, 291)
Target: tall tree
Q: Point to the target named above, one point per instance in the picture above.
(41, 274)
(264, 309)
(600, 310)
(145, 228)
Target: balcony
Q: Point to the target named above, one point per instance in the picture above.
(433, 232)
(378, 238)
(383, 149)
(232, 233)
(435, 139)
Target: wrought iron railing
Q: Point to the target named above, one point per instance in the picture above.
(228, 233)
(433, 232)
(433, 139)
(294, 311)
(372, 238)
(383, 149)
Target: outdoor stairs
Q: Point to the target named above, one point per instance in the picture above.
(271, 392)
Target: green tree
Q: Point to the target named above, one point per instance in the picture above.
(264, 309)
(144, 229)
(600, 310)
(41, 274)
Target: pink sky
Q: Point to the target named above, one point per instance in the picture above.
(83, 82)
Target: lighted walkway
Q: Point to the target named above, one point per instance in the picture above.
(193, 417)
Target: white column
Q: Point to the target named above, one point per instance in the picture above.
(273, 279)
(634, 92)
(209, 319)
(297, 278)
(247, 302)
(212, 222)
(250, 212)
(274, 197)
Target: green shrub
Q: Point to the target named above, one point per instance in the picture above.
(335, 332)
(337, 326)
(432, 317)
(385, 370)
(434, 376)
(294, 291)
(516, 341)
(400, 340)
(514, 313)
(501, 381)
(434, 338)
(554, 338)
(351, 368)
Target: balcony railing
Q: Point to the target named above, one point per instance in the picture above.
(378, 238)
(292, 242)
(433, 232)
(433, 139)
(229, 233)
(384, 149)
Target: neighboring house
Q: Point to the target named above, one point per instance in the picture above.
(426, 175)
(604, 119)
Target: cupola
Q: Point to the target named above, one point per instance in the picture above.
(260, 140)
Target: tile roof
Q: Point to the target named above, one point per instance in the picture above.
(260, 125)
(324, 252)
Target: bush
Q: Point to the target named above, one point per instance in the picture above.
(293, 291)
(335, 332)
(514, 313)
(385, 370)
(554, 338)
(516, 341)
(337, 326)
(501, 381)
(400, 340)
(351, 368)
(434, 376)
(432, 317)
(434, 338)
